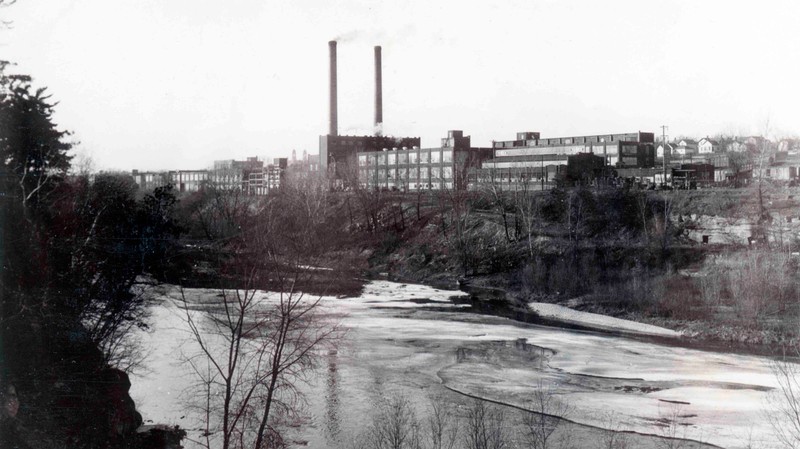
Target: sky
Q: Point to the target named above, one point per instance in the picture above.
(177, 84)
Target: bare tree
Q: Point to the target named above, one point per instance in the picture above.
(395, 426)
(784, 403)
(455, 204)
(442, 426)
(613, 437)
(761, 161)
(671, 427)
(544, 416)
(643, 209)
(220, 213)
(527, 209)
(484, 427)
(370, 199)
(253, 351)
(662, 214)
(493, 192)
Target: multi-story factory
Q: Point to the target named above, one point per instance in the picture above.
(445, 167)
(182, 180)
(250, 176)
(269, 178)
(533, 161)
(231, 174)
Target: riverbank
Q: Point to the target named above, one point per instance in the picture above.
(740, 300)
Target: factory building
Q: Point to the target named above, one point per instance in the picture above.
(181, 180)
(534, 162)
(148, 181)
(268, 179)
(188, 180)
(250, 176)
(619, 150)
(231, 174)
(445, 167)
(337, 154)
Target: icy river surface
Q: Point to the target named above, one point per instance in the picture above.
(413, 340)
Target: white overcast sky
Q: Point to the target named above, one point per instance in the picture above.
(166, 84)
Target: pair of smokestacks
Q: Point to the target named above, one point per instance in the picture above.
(334, 114)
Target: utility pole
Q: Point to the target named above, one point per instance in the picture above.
(664, 146)
(544, 175)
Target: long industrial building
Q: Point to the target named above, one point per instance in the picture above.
(533, 161)
(250, 176)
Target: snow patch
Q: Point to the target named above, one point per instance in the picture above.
(597, 321)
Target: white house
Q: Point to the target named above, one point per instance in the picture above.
(735, 146)
(686, 147)
(707, 145)
(660, 150)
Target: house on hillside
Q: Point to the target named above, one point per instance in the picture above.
(790, 146)
(707, 146)
(686, 147)
(660, 150)
(735, 146)
(756, 143)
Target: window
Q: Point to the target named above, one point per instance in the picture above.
(382, 159)
(362, 160)
(423, 173)
(436, 172)
(447, 156)
(424, 157)
(402, 158)
(392, 159)
(436, 156)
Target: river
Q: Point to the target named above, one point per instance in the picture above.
(414, 341)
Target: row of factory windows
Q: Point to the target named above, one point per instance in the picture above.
(406, 157)
(531, 139)
(410, 185)
(192, 176)
(413, 173)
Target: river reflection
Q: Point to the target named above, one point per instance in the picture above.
(333, 428)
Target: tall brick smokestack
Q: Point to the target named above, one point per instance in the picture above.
(378, 91)
(333, 128)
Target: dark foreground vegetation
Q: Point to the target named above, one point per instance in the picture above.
(71, 250)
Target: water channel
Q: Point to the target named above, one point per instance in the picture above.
(414, 341)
